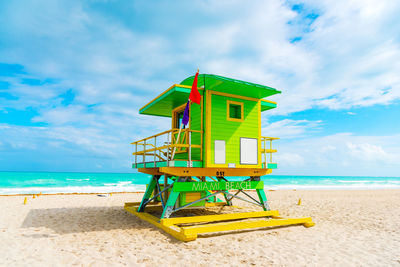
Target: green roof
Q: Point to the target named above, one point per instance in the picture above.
(178, 94)
(232, 86)
(164, 104)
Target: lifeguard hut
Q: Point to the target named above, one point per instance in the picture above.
(219, 156)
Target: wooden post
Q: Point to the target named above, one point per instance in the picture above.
(168, 149)
(270, 154)
(136, 155)
(177, 141)
(155, 147)
(144, 153)
(265, 154)
(190, 148)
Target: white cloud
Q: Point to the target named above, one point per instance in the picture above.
(340, 154)
(349, 56)
(345, 58)
(371, 152)
(287, 128)
(62, 149)
(289, 159)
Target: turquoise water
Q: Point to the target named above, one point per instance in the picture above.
(67, 182)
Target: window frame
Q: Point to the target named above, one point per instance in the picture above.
(175, 112)
(228, 103)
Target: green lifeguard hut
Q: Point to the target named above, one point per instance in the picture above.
(192, 166)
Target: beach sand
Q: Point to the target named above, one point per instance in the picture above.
(353, 228)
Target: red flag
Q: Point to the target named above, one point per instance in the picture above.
(194, 93)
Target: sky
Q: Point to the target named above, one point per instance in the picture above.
(73, 75)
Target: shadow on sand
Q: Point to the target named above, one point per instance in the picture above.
(86, 219)
(91, 219)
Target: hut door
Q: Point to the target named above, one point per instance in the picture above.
(177, 116)
(219, 151)
(248, 151)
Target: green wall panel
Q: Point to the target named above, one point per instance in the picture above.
(232, 131)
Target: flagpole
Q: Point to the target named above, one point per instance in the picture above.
(186, 112)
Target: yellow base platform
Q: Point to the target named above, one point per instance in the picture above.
(188, 228)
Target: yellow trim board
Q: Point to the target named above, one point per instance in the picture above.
(220, 217)
(259, 134)
(172, 230)
(269, 101)
(201, 128)
(187, 171)
(187, 86)
(235, 96)
(208, 128)
(242, 225)
(170, 88)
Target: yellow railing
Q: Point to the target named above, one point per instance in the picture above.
(267, 149)
(165, 145)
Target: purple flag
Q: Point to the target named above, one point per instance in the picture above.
(185, 118)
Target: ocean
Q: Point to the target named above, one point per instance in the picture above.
(72, 182)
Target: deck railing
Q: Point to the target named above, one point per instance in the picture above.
(166, 145)
(266, 148)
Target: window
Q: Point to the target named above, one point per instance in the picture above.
(178, 119)
(177, 116)
(234, 111)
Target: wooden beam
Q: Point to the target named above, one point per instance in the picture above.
(174, 231)
(151, 171)
(241, 225)
(219, 217)
(189, 233)
(184, 171)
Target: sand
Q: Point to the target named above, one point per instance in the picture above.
(353, 228)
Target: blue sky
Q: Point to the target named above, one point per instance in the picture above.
(74, 74)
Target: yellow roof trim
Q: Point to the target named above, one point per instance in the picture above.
(170, 88)
(269, 101)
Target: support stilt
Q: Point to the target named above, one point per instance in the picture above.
(261, 194)
(195, 192)
(169, 207)
(227, 199)
(149, 191)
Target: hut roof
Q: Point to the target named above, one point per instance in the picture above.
(178, 94)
